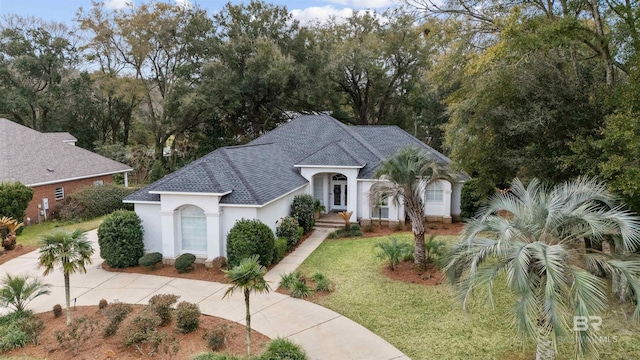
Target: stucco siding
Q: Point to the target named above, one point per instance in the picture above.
(272, 212)
(150, 216)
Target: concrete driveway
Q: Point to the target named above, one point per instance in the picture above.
(323, 333)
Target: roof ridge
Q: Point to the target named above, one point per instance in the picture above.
(353, 157)
(249, 144)
(359, 139)
(237, 172)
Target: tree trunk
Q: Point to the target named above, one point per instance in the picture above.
(248, 319)
(419, 255)
(67, 294)
(544, 346)
(416, 214)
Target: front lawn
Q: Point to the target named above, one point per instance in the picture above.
(32, 234)
(427, 322)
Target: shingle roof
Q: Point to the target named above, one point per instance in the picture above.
(264, 170)
(32, 157)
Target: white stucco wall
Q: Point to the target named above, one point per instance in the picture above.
(364, 208)
(456, 191)
(150, 216)
(280, 208)
(230, 215)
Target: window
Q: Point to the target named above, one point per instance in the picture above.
(339, 177)
(434, 193)
(193, 229)
(59, 193)
(98, 183)
(381, 211)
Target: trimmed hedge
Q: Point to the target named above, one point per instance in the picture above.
(247, 238)
(150, 260)
(288, 228)
(92, 201)
(120, 239)
(302, 211)
(280, 349)
(184, 262)
(280, 248)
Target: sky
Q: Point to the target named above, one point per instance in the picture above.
(303, 10)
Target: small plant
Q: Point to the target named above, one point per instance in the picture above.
(12, 338)
(184, 263)
(318, 208)
(57, 310)
(150, 260)
(321, 282)
(393, 251)
(287, 280)
(346, 217)
(18, 291)
(288, 228)
(115, 313)
(219, 263)
(103, 304)
(300, 289)
(77, 334)
(8, 228)
(142, 329)
(280, 249)
(33, 328)
(434, 249)
(215, 338)
(280, 348)
(302, 211)
(161, 304)
(187, 317)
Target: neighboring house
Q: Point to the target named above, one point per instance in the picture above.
(51, 164)
(193, 209)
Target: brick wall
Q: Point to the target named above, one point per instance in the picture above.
(48, 191)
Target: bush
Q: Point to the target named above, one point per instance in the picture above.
(287, 280)
(215, 338)
(247, 238)
(184, 262)
(355, 231)
(187, 317)
(321, 282)
(393, 251)
(280, 249)
(288, 228)
(92, 201)
(120, 239)
(57, 310)
(302, 211)
(76, 334)
(14, 199)
(219, 262)
(300, 289)
(473, 195)
(102, 304)
(161, 305)
(283, 349)
(142, 328)
(12, 337)
(115, 313)
(215, 356)
(18, 328)
(150, 260)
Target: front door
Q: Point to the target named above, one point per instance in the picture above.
(339, 201)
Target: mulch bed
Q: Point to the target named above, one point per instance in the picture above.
(18, 251)
(431, 228)
(405, 272)
(112, 347)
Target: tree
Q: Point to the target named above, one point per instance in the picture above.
(69, 250)
(404, 178)
(248, 277)
(20, 290)
(14, 200)
(534, 235)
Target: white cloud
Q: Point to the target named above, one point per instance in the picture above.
(184, 3)
(321, 14)
(117, 4)
(366, 4)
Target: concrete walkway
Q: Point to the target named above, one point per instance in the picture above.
(323, 333)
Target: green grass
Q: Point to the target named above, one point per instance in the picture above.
(427, 322)
(33, 233)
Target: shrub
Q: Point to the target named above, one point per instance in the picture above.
(393, 251)
(474, 194)
(215, 356)
(287, 280)
(142, 328)
(321, 282)
(219, 262)
(247, 238)
(288, 228)
(187, 317)
(283, 349)
(280, 249)
(435, 250)
(120, 239)
(57, 310)
(14, 199)
(115, 313)
(302, 210)
(184, 262)
(76, 334)
(103, 304)
(354, 231)
(12, 337)
(33, 328)
(300, 232)
(300, 289)
(18, 328)
(92, 201)
(215, 338)
(161, 304)
(150, 260)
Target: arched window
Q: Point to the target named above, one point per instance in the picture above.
(434, 193)
(193, 229)
(339, 177)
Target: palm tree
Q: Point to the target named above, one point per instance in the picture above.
(404, 178)
(18, 291)
(248, 276)
(535, 235)
(69, 250)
